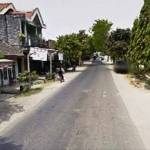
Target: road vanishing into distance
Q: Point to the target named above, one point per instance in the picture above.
(87, 114)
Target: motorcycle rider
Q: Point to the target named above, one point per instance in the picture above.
(60, 73)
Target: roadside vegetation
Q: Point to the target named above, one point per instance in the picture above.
(26, 80)
(31, 83)
(139, 48)
(139, 52)
(75, 46)
(118, 43)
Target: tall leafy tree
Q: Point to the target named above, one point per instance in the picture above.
(74, 46)
(69, 45)
(85, 41)
(100, 31)
(139, 53)
(118, 43)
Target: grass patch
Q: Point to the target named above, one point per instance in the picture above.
(30, 92)
(48, 82)
(147, 84)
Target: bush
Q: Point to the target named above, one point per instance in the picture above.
(25, 79)
(34, 76)
(148, 82)
(26, 76)
(136, 69)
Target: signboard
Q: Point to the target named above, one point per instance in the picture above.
(60, 56)
(38, 53)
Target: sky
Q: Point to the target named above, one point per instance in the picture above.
(67, 16)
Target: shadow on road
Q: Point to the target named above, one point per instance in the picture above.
(5, 144)
(93, 64)
(7, 109)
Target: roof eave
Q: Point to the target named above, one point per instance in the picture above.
(11, 6)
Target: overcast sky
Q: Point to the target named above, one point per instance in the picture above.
(66, 16)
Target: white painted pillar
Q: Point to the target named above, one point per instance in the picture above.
(16, 68)
(28, 62)
(50, 61)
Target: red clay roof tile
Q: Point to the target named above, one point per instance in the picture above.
(4, 5)
(29, 14)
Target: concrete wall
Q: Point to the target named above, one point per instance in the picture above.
(10, 27)
(3, 28)
(13, 28)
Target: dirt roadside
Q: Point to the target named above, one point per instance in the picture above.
(137, 101)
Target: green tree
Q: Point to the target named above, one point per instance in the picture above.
(100, 31)
(74, 46)
(118, 43)
(86, 46)
(139, 53)
(70, 46)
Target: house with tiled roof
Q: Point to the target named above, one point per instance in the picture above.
(4, 7)
(18, 31)
(18, 27)
(23, 31)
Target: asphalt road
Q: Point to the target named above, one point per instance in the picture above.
(88, 114)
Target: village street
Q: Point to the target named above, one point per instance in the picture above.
(86, 114)
(75, 81)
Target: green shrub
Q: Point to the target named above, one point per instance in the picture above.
(148, 82)
(26, 76)
(133, 69)
(25, 79)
